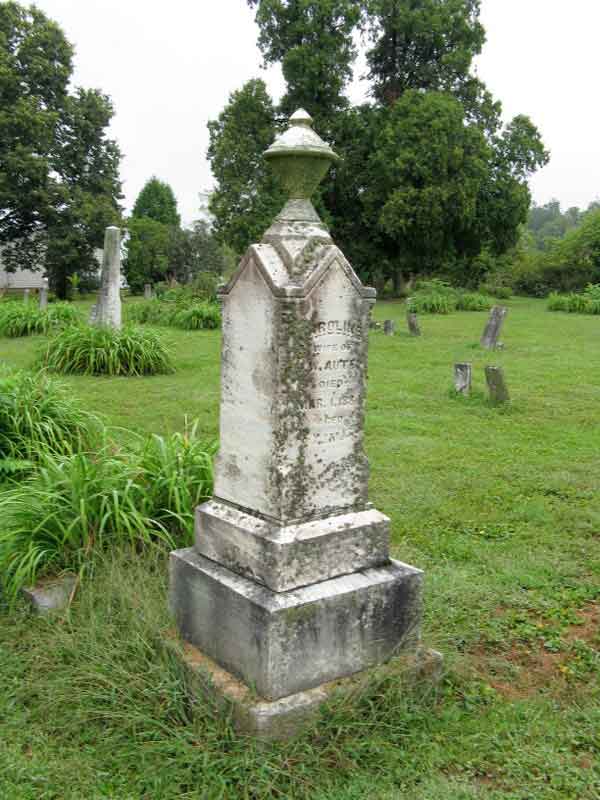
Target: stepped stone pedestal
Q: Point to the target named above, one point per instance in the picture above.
(290, 585)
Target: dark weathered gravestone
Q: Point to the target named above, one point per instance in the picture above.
(413, 323)
(147, 291)
(389, 327)
(491, 334)
(290, 584)
(463, 378)
(498, 391)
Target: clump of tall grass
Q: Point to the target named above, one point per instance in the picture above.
(75, 506)
(202, 316)
(587, 302)
(37, 415)
(97, 350)
(187, 315)
(438, 297)
(18, 319)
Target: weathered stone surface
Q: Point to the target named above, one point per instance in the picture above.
(492, 331)
(284, 558)
(51, 595)
(463, 378)
(389, 327)
(282, 643)
(26, 294)
(287, 717)
(107, 310)
(294, 357)
(413, 324)
(496, 383)
(147, 291)
(44, 295)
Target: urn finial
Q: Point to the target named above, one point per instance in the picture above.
(300, 158)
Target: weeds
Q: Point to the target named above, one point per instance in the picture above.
(173, 313)
(588, 302)
(438, 297)
(94, 350)
(18, 319)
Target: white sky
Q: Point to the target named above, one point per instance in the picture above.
(170, 67)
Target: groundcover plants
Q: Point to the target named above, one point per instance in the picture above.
(19, 319)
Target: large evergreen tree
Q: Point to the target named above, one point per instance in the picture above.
(157, 201)
(59, 184)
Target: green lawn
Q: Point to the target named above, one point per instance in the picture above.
(501, 508)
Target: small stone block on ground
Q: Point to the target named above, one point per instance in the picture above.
(497, 387)
(51, 596)
(463, 378)
(289, 716)
(389, 327)
(413, 324)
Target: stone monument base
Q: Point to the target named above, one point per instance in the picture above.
(281, 643)
(287, 717)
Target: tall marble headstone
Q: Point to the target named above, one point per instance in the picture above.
(44, 295)
(290, 584)
(107, 310)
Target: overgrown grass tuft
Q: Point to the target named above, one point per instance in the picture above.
(588, 302)
(38, 416)
(79, 505)
(438, 297)
(18, 319)
(191, 317)
(94, 350)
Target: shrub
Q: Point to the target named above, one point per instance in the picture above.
(18, 319)
(96, 350)
(152, 312)
(201, 316)
(37, 415)
(588, 302)
(78, 506)
(438, 297)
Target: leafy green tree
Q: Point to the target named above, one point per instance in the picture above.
(313, 41)
(247, 196)
(157, 201)
(148, 250)
(59, 182)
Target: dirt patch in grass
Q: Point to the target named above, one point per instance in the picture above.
(528, 668)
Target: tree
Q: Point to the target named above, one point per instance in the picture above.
(157, 201)
(313, 41)
(148, 248)
(59, 182)
(247, 196)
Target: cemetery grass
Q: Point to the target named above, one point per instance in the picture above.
(499, 505)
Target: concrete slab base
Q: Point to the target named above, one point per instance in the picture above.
(289, 716)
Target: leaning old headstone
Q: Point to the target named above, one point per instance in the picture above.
(413, 323)
(290, 584)
(44, 295)
(389, 327)
(462, 378)
(491, 334)
(498, 390)
(147, 291)
(107, 310)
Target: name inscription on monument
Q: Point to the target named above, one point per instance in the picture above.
(334, 404)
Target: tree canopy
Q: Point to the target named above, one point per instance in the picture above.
(59, 182)
(430, 177)
(157, 201)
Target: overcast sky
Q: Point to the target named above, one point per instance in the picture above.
(170, 66)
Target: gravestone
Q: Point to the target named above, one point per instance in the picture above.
(491, 334)
(463, 378)
(44, 295)
(147, 291)
(413, 324)
(290, 584)
(389, 327)
(498, 390)
(26, 293)
(107, 310)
